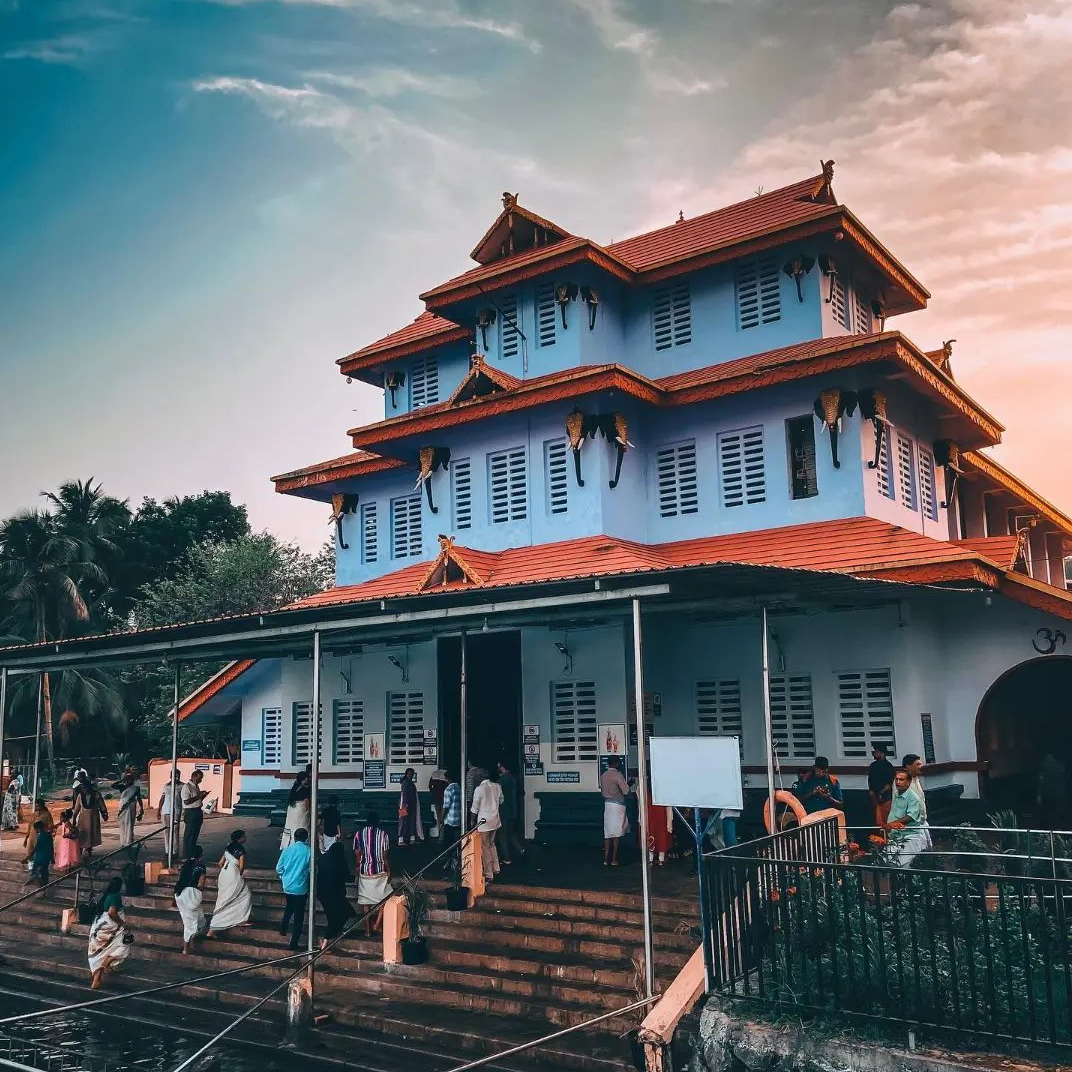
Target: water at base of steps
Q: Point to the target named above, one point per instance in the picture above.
(109, 1042)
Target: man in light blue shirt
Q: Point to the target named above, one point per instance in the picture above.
(293, 869)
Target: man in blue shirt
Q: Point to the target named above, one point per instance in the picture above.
(817, 789)
(293, 869)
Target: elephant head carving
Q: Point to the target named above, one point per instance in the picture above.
(947, 455)
(341, 505)
(873, 409)
(831, 407)
(431, 459)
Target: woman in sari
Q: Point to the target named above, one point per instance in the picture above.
(88, 810)
(297, 807)
(372, 857)
(906, 832)
(188, 898)
(109, 939)
(131, 806)
(42, 815)
(409, 810)
(234, 902)
(11, 807)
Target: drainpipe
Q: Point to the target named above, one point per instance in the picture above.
(642, 793)
(463, 716)
(176, 805)
(768, 728)
(314, 804)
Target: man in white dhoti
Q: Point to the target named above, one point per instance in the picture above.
(614, 789)
(167, 810)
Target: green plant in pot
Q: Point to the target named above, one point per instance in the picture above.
(133, 875)
(419, 904)
(457, 894)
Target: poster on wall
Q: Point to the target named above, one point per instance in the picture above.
(612, 742)
(375, 762)
(928, 736)
(649, 732)
(653, 706)
(431, 747)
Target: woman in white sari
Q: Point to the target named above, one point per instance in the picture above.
(188, 898)
(297, 808)
(234, 902)
(109, 939)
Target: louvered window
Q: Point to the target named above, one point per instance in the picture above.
(839, 301)
(405, 727)
(906, 472)
(271, 737)
(555, 461)
(865, 711)
(573, 716)
(461, 486)
(884, 472)
(424, 382)
(676, 472)
(369, 536)
(718, 708)
(302, 740)
(406, 527)
(759, 294)
(546, 322)
(800, 433)
(927, 496)
(509, 327)
(861, 313)
(507, 485)
(740, 457)
(671, 316)
(792, 716)
(349, 731)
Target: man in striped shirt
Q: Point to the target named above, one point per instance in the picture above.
(452, 811)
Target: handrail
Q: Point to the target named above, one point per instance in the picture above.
(314, 957)
(306, 956)
(554, 1035)
(94, 862)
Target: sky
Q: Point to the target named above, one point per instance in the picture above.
(204, 203)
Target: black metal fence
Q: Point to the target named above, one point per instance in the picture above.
(795, 927)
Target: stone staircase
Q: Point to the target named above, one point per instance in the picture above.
(523, 962)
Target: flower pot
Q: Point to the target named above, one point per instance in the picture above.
(458, 899)
(134, 885)
(414, 950)
(87, 912)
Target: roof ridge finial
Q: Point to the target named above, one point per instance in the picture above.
(680, 215)
(825, 189)
(509, 199)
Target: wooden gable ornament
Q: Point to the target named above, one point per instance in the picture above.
(515, 230)
(450, 567)
(482, 380)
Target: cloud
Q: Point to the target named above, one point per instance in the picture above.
(395, 81)
(439, 14)
(67, 49)
(949, 126)
(304, 106)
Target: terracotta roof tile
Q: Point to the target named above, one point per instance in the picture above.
(428, 327)
(1004, 550)
(725, 226)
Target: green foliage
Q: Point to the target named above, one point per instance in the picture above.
(419, 905)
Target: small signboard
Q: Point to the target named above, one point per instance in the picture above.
(217, 768)
(396, 778)
(530, 734)
(251, 746)
(431, 747)
(563, 777)
(375, 762)
(533, 769)
(928, 736)
(697, 772)
(202, 766)
(649, 732)
(653, 705)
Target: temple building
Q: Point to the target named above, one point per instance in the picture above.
(728, 396)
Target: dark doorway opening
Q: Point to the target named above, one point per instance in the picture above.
(1026, 714)
(493, 662)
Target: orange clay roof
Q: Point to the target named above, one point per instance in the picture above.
(1004, 550)
(860, 546)
(357, 463)
(215, 684)
(428, 329)
(732, 377)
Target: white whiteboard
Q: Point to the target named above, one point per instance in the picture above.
(696, 772)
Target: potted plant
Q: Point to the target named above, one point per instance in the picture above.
(457, 894)
(419, 905)
(133, 876)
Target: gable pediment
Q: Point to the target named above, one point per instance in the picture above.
(515, 230)
(482, 380)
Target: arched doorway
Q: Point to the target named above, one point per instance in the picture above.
(1025, 714)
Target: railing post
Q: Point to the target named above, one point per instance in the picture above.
(314, 805)
(176, 804)
(642, 794)
(3, 713)
(37, 741)
(768, 728)
(705, 914)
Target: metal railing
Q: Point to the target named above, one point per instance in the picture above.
(33, 1056)
(968, 952)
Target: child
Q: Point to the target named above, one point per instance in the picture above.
(68, 851)
(42, 855)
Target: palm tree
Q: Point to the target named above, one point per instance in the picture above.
(51, 572)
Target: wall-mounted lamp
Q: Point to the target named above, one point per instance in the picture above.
(564, 651)
(398, 665)
(484, 628)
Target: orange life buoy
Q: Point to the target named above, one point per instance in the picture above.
(782, 796)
